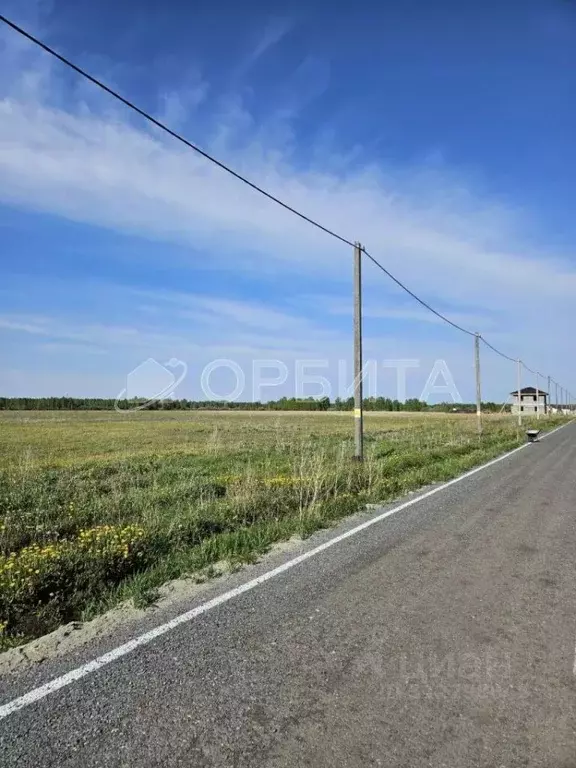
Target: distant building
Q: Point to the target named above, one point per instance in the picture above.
(527, 402)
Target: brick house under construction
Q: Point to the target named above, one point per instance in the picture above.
(530, 402)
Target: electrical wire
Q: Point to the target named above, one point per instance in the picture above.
(498, 352)
(172, 133)
(245, 180)
(446, 319)
(417, 298)
(443, 317)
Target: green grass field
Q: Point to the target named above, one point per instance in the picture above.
(96, 507)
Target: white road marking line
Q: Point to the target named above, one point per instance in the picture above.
(92, 666)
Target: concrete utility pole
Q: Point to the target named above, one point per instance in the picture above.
(537, 395)
(556, 385)
(478, 385)
(549, 395)
(358, 393)
(518, 393)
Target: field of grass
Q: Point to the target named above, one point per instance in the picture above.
(96, 507)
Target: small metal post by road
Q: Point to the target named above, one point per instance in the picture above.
(478, 385)
(549, 397)
(537, 395)
(519, 399)
(358, 414)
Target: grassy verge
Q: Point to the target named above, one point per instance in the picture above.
(78, 536)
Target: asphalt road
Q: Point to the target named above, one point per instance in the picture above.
(442, 636)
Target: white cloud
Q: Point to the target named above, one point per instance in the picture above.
(217, 311)
(92, 168)
(274, 31)
(377, 310)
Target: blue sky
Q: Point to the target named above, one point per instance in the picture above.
(440, 135)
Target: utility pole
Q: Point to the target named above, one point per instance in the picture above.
(537, 395)
(478, 386)
(549, 395)
(556, 385)
(358, 394)
(518, 393)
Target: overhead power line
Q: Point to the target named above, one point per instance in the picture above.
(417, 298)
(535, 373)
(217, 162)
(498, 352)
(444, 318)
(439, 314)
(172, 133)
(95, 81)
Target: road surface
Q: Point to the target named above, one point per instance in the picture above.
(443, 635)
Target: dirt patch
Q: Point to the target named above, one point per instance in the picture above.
(76, 634)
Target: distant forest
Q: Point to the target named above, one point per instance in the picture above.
(284, 404)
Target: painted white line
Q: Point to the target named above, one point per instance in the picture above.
(92, 666)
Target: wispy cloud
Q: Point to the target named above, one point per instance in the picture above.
(93, 169)
(178, 107)
(375, 309)
(275, 30)
(215, 310)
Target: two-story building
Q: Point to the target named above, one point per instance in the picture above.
(530, 401)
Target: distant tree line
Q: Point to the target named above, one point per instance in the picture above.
(283, 404)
